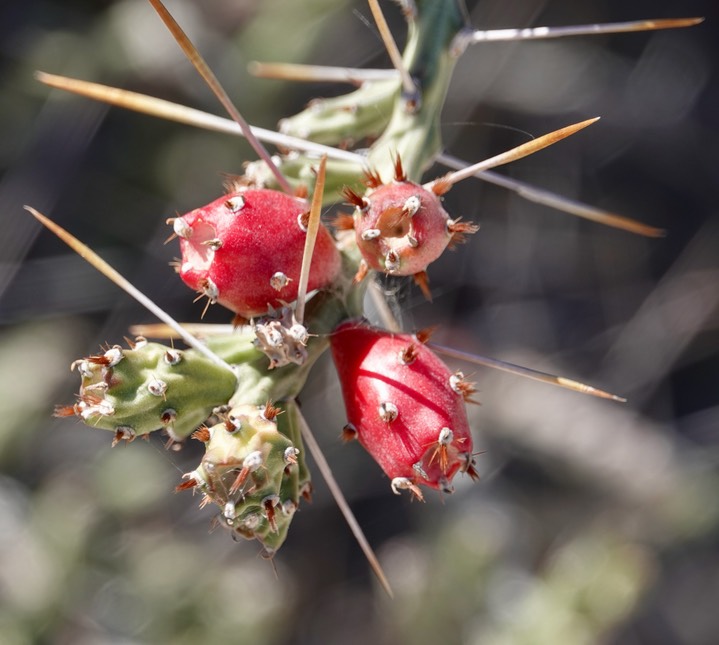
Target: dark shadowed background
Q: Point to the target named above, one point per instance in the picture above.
(593, 522)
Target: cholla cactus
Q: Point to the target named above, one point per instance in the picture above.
(260, 248)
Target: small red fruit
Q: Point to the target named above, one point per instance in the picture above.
(401, 227)
(404, 406)
(244, 250)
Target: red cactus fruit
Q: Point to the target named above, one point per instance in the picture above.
(404, 406)
(401, 227)
(244, 250)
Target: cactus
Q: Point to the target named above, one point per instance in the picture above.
(248, 251)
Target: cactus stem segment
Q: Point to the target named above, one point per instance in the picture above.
(250, 472)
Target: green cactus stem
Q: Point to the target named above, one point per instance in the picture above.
(250, 470)
(148, 387)
(413, 132)
(347, 119)
(408, 125)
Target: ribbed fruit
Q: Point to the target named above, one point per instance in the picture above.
(404, 405)
(244, 250)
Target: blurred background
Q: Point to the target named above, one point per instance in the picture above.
(594, 522)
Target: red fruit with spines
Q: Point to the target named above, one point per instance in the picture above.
(404, 405)
(244, 250)
(401, 227)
